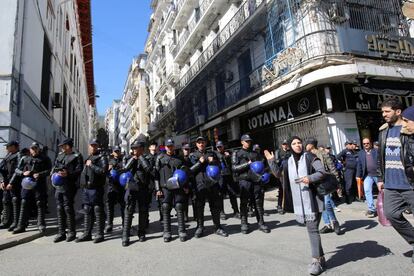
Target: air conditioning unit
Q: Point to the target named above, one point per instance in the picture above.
(57, 100)
(227, 76)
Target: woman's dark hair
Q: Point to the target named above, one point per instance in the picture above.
(293, 138)
(393, 103)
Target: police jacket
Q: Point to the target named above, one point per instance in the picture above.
(281, 155)
(8, 165)
(94, 176)
(225, 163)
(116, 164)
(407, 153)
(140, 169)
(151, 158)
(240, 162)
(349, 157)
(39, 164)
(198, 169)
(165, 165)
(72, 163)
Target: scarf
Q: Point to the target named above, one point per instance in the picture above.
(301, 194)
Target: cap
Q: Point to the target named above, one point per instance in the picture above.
(12, 143)
(169, 142)
(256, 146)
(246, 137)
(116, 148)
(408, 113)
(219, 144)
(186, 146)
(67, 141)
(285, 142)
(200, 138)
(348, 143)
(35, 145)
(137, 144)
(311, 141)
(93, 142)
(354, 142)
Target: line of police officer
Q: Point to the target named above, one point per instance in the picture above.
(202, 175)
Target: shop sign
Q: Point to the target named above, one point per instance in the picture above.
(290, 110)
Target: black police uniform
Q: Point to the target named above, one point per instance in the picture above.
(151, 181)
(72, 163)
(349, 158)
(41, 165)
(11, 198)
(191, 194)
(115, 194)
(206, 190)
(227, 185)
(281, 156)
(92, 182)
(249, 187)
(165, 165)
(136, 191)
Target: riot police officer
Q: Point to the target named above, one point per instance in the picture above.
(349, 157)
(115, 193)
(205, 189)
(68, 165)
(250, 185)
(92, 182)
(186, 150)
(10, 186)
(34, 169)
(136, 191)
(227, 185)
(166, 165)
(151, 156)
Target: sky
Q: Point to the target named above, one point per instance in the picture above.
(119, 31)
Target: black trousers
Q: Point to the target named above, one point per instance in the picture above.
(212, 194)
(140, 198)
(395, 203)
(349, 177)
(249, 191)
(229, 187)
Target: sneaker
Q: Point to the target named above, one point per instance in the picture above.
(337, 209)
(315, 268)
(326, 229)
(370, 214)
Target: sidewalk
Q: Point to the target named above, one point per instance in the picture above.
(8, 239)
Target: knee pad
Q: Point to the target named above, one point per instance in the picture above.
(87, 209)
(165, 207)
(130, 209)
(14, 200)
(178, 207)
(39, 203)
(98, 208)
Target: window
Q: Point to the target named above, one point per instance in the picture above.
(64, 109)
(46, 74)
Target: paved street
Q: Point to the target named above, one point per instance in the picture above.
(366, 249)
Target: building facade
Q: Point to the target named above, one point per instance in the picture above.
(276, 68)
(46, 72)
(112, 123)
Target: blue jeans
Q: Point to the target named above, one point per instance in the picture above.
(328, 214)
(368, 181)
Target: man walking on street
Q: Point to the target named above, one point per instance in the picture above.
(395, 165)
(367, 171)
(349, 158)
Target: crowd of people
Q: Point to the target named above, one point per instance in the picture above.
(179, 178)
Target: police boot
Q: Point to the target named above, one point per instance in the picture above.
(216, 220)
(260, 220)
(166, 210)
(21, 225)
(87, 220)
(233, 202)
(142, 224)
(200, 223)
(7, 216)
(100, 224)
(185, 211)
(41, 223)
(194, 210)
(61, 235)
(110, 217)
(181, 222)
(126, 229)
(16, 211)
(71, 221)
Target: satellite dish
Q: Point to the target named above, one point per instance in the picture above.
(408, 9)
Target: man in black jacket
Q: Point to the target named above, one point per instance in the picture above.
(186, 151)
(281, 154)
(396, 165)
(115, 191)
(92, 180)
(37, 166)
(165, 166)
(151, 156)
(250, 187)
(136, 191)
(204, 188)
(10, 186)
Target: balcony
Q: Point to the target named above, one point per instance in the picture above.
(173, 74)
(164, 111)
(199, 24)
(183, 9)
(244, 13)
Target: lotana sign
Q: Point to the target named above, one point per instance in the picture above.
(306, 104)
